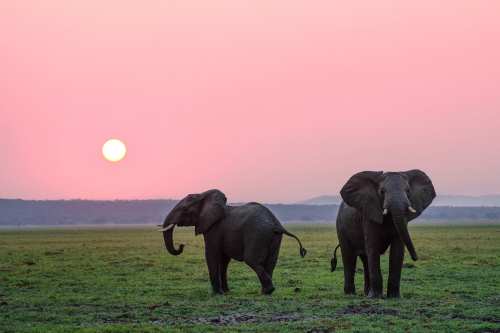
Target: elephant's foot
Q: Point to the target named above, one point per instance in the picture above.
(350, 291)
(374, 294)
(268, 290)
(217, 292)
(393, 294)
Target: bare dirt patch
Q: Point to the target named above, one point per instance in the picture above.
(364, 308)
(240, 318)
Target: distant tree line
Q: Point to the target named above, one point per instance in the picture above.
(73, 212)
(329, 212)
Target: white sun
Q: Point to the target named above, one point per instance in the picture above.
(114, 150)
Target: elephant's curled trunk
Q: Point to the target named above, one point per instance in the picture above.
(401, 225)
(169, 242)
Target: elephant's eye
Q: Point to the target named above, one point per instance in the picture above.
(382, 191)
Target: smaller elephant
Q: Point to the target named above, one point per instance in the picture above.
(249, 233)
(374, 215)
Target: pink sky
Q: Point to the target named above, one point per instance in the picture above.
(266, 100)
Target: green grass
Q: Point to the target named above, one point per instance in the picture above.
(122, 280)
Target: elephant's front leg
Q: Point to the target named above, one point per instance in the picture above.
(375, 275)
(366, 271)
(214, 269)
(225, 263)
(395, 264)
(372, 235)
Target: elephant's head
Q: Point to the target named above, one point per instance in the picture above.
(401, 196)
(201, 210)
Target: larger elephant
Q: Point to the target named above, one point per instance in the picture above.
(249, 233)
(374, 215)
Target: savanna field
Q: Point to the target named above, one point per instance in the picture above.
(102, 280)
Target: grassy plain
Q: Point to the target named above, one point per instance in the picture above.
(102, 280)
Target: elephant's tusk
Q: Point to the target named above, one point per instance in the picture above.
(170, 226)
(411, 209)
(385, 211)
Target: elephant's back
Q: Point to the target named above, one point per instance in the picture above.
(347, 217)
(255, 218)
(346, 213)
(253, 215)
(349, 228)
(253, 225)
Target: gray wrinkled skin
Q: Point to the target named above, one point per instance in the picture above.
(249, 233)
(373, 217)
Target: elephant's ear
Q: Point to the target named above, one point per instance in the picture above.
(361, 192)
(421, 191)
(212, 210)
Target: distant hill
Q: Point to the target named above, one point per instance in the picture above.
(441, 200)
(468, 201)
(323, 200)
(152, 212)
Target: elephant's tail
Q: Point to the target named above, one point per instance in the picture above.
(302, 250)
(333, 262)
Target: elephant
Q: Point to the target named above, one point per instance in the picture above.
(374, 214)
(249, 233)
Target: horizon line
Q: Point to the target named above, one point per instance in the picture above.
(237, 201)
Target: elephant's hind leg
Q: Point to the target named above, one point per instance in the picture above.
(264, 278)
(272, 258)
(256, 260)
(349, 262)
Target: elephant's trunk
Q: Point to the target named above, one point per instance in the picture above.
(401, 225)
(169, 242)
